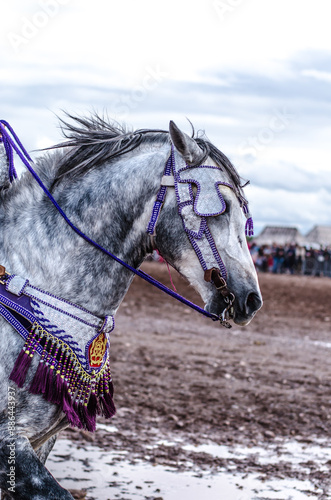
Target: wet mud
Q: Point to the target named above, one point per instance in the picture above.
(181, 379)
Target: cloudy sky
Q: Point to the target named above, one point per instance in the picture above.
(254, 74)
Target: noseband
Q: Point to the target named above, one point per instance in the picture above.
(195, 209)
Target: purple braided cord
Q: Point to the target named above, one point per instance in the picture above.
(249, 228)
(160, 197)
(24, 156)
(9, 152)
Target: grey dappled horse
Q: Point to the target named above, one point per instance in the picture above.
(106, 181)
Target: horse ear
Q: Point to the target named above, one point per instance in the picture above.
(186, 146)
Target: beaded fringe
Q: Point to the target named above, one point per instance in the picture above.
(249, 229)
(62, 380)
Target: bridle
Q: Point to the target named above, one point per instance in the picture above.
(195, 209)
(178, 175)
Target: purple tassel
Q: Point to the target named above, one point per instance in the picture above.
(50, 385)
(89, 420)
(111, 388)
(80, 417)
(69, 410)
(93, 405)
(35, 386)
(58, 390)
(20, 369)
(43, 382)
(249, 229)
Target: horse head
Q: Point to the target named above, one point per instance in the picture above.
(210, 204)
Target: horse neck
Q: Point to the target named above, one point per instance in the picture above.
(111, 204)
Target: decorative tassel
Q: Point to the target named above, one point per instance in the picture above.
(249, 229)
(105, 394)
(111, 388)
(93, 405)
(107, 405)
(77, 407)
(63, 381)
(23, 361)
(59, 377)
(89, 420)
(37, 381)
(43, 381)
(50, 384)
(58, 390)
(69, 410)
(21, 367)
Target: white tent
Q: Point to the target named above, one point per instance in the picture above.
(280, 235)
(319, 235)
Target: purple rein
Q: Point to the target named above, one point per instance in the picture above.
(12, 143)
(9, 149)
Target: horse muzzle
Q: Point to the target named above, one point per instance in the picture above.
(228, 305)
(245, 310)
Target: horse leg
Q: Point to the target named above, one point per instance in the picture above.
(22, 474)
(44, 445)
(44, 450)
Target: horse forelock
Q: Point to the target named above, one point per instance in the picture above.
(93, 141)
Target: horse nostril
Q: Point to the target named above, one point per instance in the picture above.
(253, 303)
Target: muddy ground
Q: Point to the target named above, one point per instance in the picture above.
(178, 374)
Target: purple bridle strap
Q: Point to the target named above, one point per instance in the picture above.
(9, 150)
(15, 144)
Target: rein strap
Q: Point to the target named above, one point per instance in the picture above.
(14, 144)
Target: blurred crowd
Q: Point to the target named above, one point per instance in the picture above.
(291, 259)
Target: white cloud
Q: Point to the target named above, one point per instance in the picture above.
(228, 72)
(318, 75)
(281, 207)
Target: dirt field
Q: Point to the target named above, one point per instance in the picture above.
(177, 373)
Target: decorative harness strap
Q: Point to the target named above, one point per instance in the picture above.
(194, 209)
(16, 146)
(73, 349)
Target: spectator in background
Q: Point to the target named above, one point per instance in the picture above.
(290, 259)
(278, 258)
(300, 255)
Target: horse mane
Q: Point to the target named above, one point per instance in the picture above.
(91, 141)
